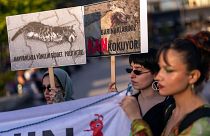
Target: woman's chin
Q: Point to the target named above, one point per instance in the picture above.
(163, 93)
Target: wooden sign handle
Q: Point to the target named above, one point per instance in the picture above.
(113, 72)
(52, 78)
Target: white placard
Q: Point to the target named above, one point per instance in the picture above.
(47, 39)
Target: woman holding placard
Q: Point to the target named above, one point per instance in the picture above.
(143, 69)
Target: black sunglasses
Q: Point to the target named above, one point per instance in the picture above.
(48, 87)
(136, 72)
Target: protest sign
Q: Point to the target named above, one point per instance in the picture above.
(116, 27)
(93, 116)
(47, 39)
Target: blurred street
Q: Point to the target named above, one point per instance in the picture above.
(94, 77)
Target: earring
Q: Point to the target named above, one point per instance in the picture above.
(155, 85)
(193, 87)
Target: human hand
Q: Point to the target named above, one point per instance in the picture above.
(55, 95)
(50, 94)
(131, 107)
(112, 87)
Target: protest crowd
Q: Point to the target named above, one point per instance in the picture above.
(159, 88)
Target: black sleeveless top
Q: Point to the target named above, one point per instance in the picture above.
(155, 117)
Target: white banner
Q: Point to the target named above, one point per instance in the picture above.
(93, 116)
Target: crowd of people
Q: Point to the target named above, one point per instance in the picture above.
(166, 83)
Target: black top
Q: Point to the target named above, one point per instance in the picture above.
(155, 117)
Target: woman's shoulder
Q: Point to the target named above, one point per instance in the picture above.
(201, 122)
(205, 118)
(199, 127)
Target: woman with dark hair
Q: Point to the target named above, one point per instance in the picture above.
(63, 87)
(184, 64)
(143, 68)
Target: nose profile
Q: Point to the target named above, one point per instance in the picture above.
(158, 77)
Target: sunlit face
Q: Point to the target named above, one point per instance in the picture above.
(46, 85)
(142, 81)
(173, 78)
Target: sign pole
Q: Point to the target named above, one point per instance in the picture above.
(113, 71)
(51, 76)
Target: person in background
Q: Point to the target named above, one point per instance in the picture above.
(184, 65)
(29, 91)
(143, 68)
(33, 82)
(63, 90)
(20, 81)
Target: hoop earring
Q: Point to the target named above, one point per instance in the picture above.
(155, 85)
